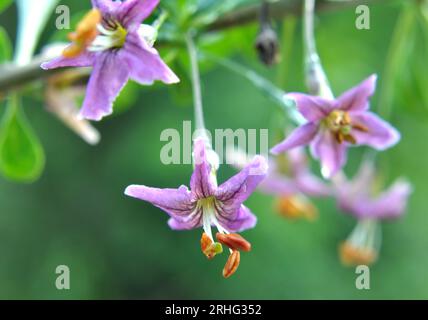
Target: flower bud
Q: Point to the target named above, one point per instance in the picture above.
(267, 46)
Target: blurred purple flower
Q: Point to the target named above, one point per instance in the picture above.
(333, 125)
(357, 198)
(295, 178)
(290, 180)
(207, 204)
(112, 40)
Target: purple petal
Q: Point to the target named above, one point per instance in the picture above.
(108, 78)
(331, 154)
(239, 220)
(145, 64)
(201, 182)
(85, 59)
(358, 185)
(176, 202)
(275, 184)
(312, 185)
(357, 98)
(299, 163)
(299, 137)
(237, 189)
(194, 222)
(106, 6)
(381, 135)
(390, 204)
(313, 108)
(132, 12)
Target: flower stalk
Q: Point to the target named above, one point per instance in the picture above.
(196, 82)
(316, 78)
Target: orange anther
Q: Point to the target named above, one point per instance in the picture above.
(232, 264)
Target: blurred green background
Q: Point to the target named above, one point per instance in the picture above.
(118, 247)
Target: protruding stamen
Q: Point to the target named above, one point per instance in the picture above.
(234, 241)
(85, 33)
(297, 206)
(209, 248)
(232, 264)
(350, 138)
(339, 137)
(360, 127)
(353, 256)
(362, 245)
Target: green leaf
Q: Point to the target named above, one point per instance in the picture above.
(4, 4)
(21, 155)
(5, 46)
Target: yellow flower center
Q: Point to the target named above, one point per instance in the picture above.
(95, 34)
(340, 124)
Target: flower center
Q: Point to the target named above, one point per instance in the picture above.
(208, 207)
(93, 33)
(112, 35)
(340, 124)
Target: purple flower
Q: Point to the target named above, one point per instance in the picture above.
(291, 175)
(333, 125)
(112, 40)
(290, 180)
(206, 204)
(358, 198)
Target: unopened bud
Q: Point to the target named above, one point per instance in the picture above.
(232, 264)
(234, 241)
(267, 46)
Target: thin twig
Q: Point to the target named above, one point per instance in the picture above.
(279, 10)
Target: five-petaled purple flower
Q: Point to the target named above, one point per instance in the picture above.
(207, 204)
(333, 125)
(112, 40)
(359, 198)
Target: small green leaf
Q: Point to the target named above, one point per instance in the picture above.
(5, 46)
(21, 155)
(4, 4)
